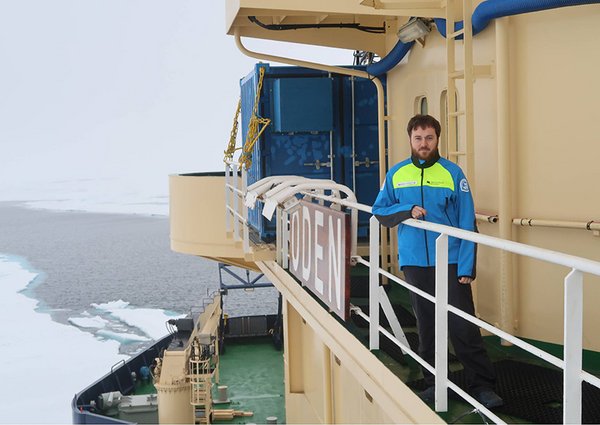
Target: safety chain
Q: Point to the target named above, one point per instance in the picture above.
(256, 126)
(232, 138)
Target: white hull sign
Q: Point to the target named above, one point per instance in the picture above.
(320, 253)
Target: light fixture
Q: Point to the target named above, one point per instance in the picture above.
(414, 29)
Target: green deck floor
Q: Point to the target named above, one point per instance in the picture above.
(253, 373)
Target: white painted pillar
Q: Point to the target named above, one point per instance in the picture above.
(227, 203)
(573, 347)
(441, 323)
(246, 229)
(373, 283)
(236, 205)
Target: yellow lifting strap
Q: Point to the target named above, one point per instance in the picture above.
(256, 126)
(233, 136)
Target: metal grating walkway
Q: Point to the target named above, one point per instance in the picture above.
(532, 393)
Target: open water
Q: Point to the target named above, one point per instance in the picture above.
(94, 258)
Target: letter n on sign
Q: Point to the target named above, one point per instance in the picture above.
(320, 253)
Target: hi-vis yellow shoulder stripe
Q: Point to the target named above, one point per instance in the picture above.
(410, 176)
(407, 176)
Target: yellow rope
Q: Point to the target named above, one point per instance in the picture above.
(256, 126)
(233, 136)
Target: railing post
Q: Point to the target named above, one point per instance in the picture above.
(321, 201)
(246, 230)
(279, 236)
(441, 323)
(373, 284)
(573, 312)
(354, 231)
(236, 204)
(227, 203)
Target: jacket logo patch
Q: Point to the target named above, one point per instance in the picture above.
(464, 186)
(404, 184)
(435, 183)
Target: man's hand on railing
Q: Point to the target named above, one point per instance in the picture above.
(418, 212)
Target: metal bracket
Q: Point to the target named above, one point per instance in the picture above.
(367, 162)
(483, 71)
(318, 164)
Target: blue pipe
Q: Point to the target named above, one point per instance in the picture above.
(391, 59)
(493, 9)
(482, 15)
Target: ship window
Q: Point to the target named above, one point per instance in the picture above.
(443, 145)
(424, 106)
(421, 106)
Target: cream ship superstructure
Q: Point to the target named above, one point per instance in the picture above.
(518, 100)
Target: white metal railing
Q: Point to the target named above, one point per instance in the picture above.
(236, 214)
(573, 313)
(573, 373)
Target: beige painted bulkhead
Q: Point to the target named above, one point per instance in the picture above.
(554, 90)
(197, 221)
(553, 95)
(330, 376)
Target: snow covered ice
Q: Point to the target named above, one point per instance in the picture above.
(44, 362)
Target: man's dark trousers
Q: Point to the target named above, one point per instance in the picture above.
(464, 336)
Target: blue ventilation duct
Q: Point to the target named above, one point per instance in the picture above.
(482, 15)
(493, 9)
(391, 59)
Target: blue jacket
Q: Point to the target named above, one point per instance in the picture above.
(440, 187)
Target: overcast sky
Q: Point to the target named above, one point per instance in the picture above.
(113, 88)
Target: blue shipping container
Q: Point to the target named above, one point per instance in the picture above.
(323, 126)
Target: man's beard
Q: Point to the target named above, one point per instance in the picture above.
(425, 155)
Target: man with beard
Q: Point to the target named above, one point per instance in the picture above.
(427, 187)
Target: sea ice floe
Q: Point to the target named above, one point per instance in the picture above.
(96, 322)
(123, 338)
(152, 322)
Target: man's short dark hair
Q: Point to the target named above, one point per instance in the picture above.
(424, 121)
